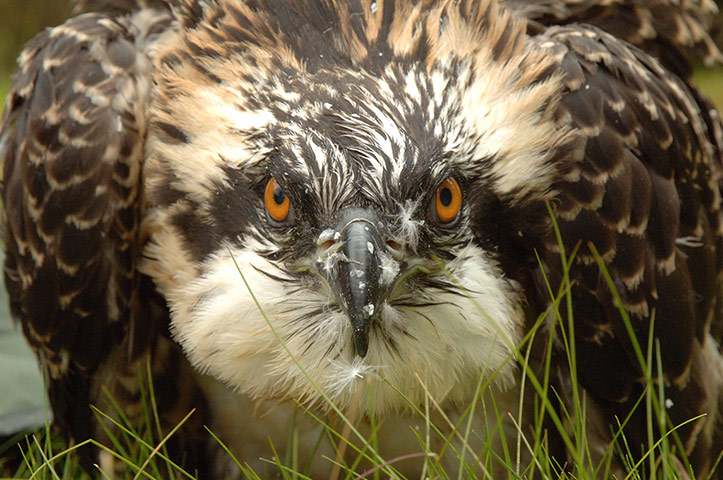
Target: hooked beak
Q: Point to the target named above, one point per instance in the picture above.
(355, 277)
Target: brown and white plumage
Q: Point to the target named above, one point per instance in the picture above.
(673, 32)
(72, 142)
(138, 143)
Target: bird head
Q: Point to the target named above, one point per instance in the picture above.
(334, 202)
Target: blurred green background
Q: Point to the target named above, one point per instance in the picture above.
(21, 401)
(19, 21)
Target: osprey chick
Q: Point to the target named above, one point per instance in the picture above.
(359, 206)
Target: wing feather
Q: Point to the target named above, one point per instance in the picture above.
(71, 145)
(647, 196)
(673, 31)
(118, 6)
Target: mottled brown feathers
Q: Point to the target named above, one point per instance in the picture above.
(72, 148)
(119, 7)
(71, 186)
(674, 32)
(647, 198)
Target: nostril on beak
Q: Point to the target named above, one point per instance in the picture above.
(328, 238)
(395, 248)
(394, 245)
(326, 244)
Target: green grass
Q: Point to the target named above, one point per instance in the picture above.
(357, 455)
(46, 456)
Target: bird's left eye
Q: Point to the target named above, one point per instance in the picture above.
(277, 203)
(448, 201)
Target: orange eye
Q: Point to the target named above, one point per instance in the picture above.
(448, 202)
(277, 203)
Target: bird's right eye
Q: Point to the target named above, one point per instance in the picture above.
(277, 202)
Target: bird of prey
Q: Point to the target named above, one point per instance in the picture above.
(378, 212)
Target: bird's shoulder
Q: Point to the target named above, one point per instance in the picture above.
(677, 33)
(638, 214)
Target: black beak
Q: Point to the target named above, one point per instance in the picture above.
(356, 276)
